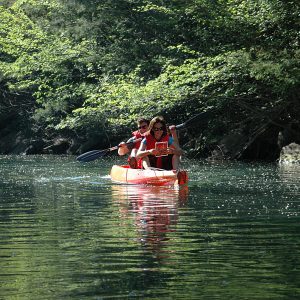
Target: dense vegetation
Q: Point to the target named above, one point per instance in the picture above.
(77, 73)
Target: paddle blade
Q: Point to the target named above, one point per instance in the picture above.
(91, 155)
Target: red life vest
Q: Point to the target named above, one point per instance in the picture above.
(162, 162)
(137, 135)
(150, 140)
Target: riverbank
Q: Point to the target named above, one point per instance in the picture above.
(19, 137)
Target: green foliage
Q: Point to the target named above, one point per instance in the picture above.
(190, 87)
(51, 68)
(95, 66)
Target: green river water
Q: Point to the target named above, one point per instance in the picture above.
(68, 232)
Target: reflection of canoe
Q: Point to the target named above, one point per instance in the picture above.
(125, 174)
(152, 213)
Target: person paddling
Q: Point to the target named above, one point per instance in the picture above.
(134, 142)
(151, 155)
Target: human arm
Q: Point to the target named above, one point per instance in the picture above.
(174, 134)
(174, 148)
(122, 149)
(143, 152)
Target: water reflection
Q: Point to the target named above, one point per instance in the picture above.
(233, 234)
(153, 211)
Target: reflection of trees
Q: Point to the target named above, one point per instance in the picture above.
(155, 212)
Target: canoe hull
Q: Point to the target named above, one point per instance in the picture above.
(124, 174)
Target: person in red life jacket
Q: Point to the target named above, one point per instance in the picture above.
(151, 155)
(133, 144)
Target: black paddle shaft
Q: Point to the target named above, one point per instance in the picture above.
(201, 117)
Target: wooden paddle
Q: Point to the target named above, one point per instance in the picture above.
(94, 154)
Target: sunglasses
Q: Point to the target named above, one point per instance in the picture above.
(142, 127)
(158, 128)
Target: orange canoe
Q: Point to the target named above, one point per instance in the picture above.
(124, 174)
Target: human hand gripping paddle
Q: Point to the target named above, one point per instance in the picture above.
(94, 154)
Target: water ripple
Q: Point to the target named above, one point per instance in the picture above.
(66, 231)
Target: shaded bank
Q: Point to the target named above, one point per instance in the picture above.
(17, 138)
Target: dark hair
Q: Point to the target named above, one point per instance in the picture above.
(142, 120)
(155, 120)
